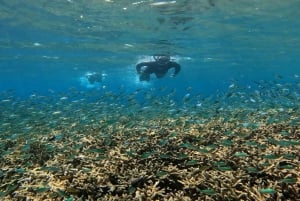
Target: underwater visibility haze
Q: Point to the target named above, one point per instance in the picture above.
(77, 124)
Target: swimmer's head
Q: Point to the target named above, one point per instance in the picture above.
(162, 59)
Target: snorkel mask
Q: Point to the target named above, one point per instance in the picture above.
(161, 59)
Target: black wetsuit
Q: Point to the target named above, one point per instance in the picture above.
(159, 69)
(95, 77)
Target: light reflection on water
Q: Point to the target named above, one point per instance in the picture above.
(179, 27)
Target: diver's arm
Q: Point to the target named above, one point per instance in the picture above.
(139, 66)
(176, 67)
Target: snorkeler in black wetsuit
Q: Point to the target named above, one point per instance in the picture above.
(94, 77)
(159, 67)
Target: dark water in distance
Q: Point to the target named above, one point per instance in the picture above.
(50, 45)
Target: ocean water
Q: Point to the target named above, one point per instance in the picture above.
(226, 127)
(49, 45)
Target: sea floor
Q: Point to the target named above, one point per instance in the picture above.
(69, 147)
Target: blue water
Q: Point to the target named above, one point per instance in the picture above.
(225, 128)
(48, 46)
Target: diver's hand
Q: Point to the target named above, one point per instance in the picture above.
(141, 71)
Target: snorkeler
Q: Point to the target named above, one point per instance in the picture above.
(94, 77)
(159, 67)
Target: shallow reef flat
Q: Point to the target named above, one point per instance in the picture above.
(85, 146)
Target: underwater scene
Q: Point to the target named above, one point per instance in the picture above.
(150, 100)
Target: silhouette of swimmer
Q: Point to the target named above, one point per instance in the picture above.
(94, 77)
(159, 67)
